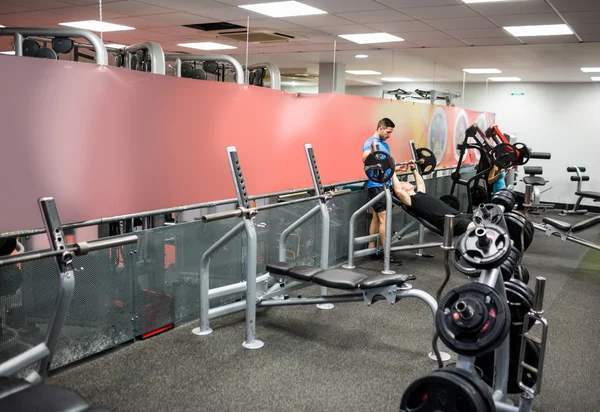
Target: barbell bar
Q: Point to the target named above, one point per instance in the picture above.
(240, 211)
(77, 249)
(420, 161)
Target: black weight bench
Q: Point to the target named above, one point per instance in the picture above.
(581, 194)
(565, 230)
(533, 177)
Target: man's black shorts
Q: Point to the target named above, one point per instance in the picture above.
(379, 206)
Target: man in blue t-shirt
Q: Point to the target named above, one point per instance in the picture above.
(385, 127)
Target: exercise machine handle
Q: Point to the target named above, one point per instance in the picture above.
(540, 155)
(574, 169)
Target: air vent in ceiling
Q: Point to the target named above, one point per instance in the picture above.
(258, 36)
(221, 25)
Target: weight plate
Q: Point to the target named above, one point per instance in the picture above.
(523, 276)
(62, 45)
(478, 195)
(186, 69)
(477, 383)
(523, 153)
(505, 198)
(485, 247)
(472, 319)
(443, 392)
(379, 167)
(198, 74)
(119, 60)
(451, 201)
(504, 155)
(532, 357)
(462, 266)
(514, 223)
(47, 53)
(488, 213)
(30, 48)
(210, 67)
(141, 55)
(523, 288)
(428, 158)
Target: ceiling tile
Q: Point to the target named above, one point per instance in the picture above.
(512, 7)
(38, 4)
(576, 5)
(526, 19)
(190, 6)
(146, 35)
(550, 39)
(314, 36)
(595, 37)
(134, 8)
(478, 33)
(439, 12)
(398, 4)
(347, 29)
(180, 18)
(441, 43)
(9, 8)
(31, 19)
(403, 26)
(497, 41)
(137, 22)
(269, 23)
(343, 6)
(86, 2)
(582, 17)
(320, 20)
(460, 23)
(83, 13)
(397, 45)
(375, 16)
(586, 28)
(426, 35)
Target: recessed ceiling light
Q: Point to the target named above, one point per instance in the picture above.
(283, 9)
(362, 72)
(481, 71)
(116, 45)
(95, 25)
(596, 79)
(369, 38)
(541, 30)
(11, 52)
(483, 1)
(361, 56)
(1, 26)
(396, 79)
(207, 45)
(590, 69)
(505, 79)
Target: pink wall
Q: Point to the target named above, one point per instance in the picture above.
(105, 141)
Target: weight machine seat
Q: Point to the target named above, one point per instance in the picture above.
(533, 170)
(558, 224)
(534, 180)
(589, 195)
(48, 398)
(336, 278)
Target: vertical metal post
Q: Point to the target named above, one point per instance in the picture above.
(178, 67)
(462, 97)
(501, 356)
(388, 232)
(251, 256)
(18, 44)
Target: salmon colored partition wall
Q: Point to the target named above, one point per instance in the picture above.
(105, 141)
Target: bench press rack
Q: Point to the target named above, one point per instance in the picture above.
(287, 277)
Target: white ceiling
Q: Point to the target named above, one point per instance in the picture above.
(447, 32)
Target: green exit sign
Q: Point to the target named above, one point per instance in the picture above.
(517, 94)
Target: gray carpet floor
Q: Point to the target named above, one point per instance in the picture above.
(351, 358)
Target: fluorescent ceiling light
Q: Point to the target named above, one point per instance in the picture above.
(505, 79)
(541, 30)
(396, 79)
(11, 52)
(596, 79)
(207, 45)
(482, 71)
(1, 26)
(370, 38)
(361, 56)
(362, 72)
(95, 25)
(116, 45)
(283, 9)
(590, 69)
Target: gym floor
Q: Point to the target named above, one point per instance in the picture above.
(351, 358)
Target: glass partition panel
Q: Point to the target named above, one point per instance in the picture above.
(340, 210)
(166, 271)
